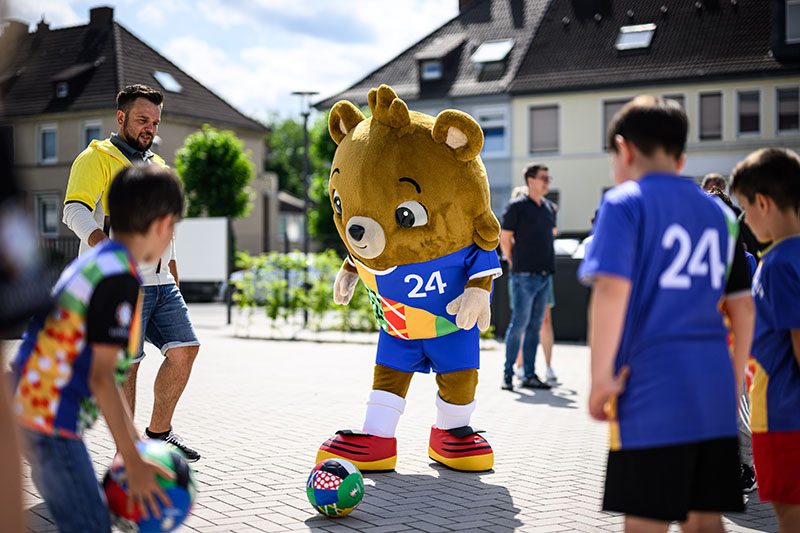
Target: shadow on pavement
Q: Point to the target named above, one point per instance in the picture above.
(445, 498)
(555, 397)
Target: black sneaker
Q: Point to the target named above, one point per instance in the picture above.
(177, 441)
(507, 383)
(747, 476)
(534, 382)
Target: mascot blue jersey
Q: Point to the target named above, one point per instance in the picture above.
(676, 246)
(410, 301)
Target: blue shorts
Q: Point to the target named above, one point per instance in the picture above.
(165, 319)
(459, 350)
(63, 474)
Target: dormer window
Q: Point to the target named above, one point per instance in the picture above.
(492, 51)
(635, 37)
(62, 89)
(792, 21)
(431, 70)
(168, 82)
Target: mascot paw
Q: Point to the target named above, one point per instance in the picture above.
(460, 449)
(470, 308)
(344, 286)
(369, 453)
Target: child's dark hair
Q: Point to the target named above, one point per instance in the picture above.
(773, 172)
(141, 194)
(129, 94)
(649, 123)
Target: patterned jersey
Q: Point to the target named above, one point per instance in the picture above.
(678, 248)
(96, 299)
(409, 301)
(775, 389)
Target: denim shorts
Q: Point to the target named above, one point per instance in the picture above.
(63, 474)
(165, 319)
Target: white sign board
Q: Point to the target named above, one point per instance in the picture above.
(201, 245)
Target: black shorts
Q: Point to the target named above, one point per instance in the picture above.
(666, 483)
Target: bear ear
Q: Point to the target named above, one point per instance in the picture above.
(460, 132)
(343, 118)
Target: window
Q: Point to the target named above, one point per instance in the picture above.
(793, 21)
(634, 37)
(749, 112)
(610, 108)
(678, 98)
(47, 215)
(431, 70)
(492, 51)
(493, 123)
(91, 130)
(711, 116)
(62, 89)
(47, 144)
(788, 110)
(544, 129)
(167, 81)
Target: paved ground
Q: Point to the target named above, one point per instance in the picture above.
(257, 410)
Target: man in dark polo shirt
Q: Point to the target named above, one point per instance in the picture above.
(527, 244)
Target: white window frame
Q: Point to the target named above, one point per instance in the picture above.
(85, 125)
(786, 16)
(700, 95)
(738, 116)
(528, 127)
(779, 132)
(428, 77)
(604, 127)
(504, 122)
(38, 198)
(40, 129)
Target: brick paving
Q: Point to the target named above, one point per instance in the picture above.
(257, 411)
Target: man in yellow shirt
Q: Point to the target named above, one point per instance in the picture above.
(165, 317)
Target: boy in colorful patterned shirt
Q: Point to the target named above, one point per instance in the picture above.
(663, 257)
(74, 357)
(767, 185)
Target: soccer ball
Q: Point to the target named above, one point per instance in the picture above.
(181, 490)
(335, 487)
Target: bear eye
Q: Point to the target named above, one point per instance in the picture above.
(410, 214)
(337, 202)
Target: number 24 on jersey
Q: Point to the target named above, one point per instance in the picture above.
(692, 260)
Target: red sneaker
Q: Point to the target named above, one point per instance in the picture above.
(460, 449)
(367, 452)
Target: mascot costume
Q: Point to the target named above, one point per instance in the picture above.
(411, 203)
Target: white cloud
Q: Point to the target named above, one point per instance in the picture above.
(57, 13)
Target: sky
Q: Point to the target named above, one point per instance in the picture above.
(254, 53)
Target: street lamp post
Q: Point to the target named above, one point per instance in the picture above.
(305, 102)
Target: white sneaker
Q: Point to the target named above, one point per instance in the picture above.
(550, 375)
(519, 372)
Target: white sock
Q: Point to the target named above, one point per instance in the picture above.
(383, 413)
(450, 416)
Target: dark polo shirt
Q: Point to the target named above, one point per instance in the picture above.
(532, 225)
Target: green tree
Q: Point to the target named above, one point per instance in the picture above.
(216, 172)
(285, 153)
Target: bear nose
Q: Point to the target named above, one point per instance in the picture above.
(356, 232)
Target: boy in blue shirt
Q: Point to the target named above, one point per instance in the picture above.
(663, 258)
(767, 185)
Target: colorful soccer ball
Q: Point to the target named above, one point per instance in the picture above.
(335, 487)
(181, 490)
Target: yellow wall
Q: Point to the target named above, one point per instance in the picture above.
(581, 170)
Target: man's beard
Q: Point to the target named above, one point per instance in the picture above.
(134, 142)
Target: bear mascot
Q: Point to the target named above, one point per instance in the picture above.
(411, 203)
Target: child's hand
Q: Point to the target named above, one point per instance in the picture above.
(603, 396)
(144, 488)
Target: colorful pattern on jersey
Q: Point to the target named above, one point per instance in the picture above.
(775, 387)
(409, 301)
(675, 245)
(52, 366)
